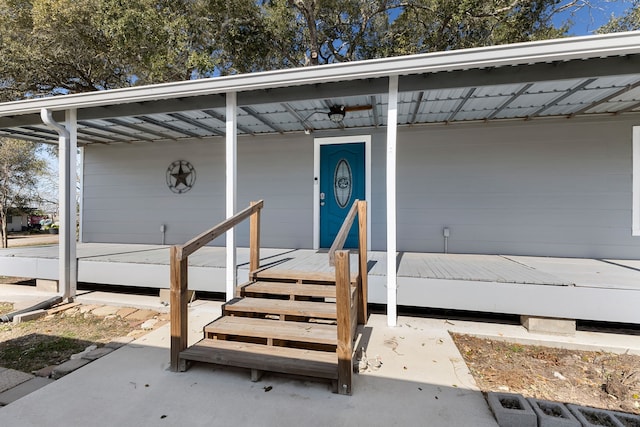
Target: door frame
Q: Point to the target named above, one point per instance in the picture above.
(317, 142)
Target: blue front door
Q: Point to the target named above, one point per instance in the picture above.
(342, 180)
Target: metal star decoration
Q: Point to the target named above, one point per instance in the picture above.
(181, 175)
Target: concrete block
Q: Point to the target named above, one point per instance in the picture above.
(593, 417)
(45, 372)
(31, 315)
(142, 315)
(165, 296)
(125, 311)
(87, 308)
(547, 325)
(45, 285)
(149, 324)
(512, 410)
(23, 389)
(10, 378)
(553, 414)
(68, 367)
(97, 353)
(627, 420)
(105, 310)
(84, 352)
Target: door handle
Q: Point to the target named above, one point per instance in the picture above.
(321, 196)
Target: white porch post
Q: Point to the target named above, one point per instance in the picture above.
(67, 146)
(80, 194)
(392, 128)
(231, 180)
(68, 221)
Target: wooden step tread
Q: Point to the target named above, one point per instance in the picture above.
(291, 289)
(275, 329)
(301, 275)
(321, 310)
(319, 364)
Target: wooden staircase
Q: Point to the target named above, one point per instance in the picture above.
(289, 322)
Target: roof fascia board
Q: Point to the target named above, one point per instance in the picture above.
(124, 110)
(493, 56)
(597, 67)
(160, 106)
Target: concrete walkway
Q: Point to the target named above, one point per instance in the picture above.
(422, 381)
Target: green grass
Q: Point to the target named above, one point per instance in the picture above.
(33, 352)
(30, 346)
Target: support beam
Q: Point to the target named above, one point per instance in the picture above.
(69, 232)
(221, 118)
(392, 131)
(374, 108)
(250, 111)
(562, 97)
(80, 194)
(67, 146)
(416, 108)
(463, 101)
(231, 190)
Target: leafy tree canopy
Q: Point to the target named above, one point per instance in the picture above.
(630, 21)
(63, 46)
(20, 168)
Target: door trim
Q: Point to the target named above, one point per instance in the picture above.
(317, 142)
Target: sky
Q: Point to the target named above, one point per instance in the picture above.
(587, 20)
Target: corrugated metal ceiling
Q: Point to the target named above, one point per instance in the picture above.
(556, 98)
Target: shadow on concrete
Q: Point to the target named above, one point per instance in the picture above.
(35, 351)
(132, 386)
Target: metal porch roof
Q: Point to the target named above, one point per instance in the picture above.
(557, 78)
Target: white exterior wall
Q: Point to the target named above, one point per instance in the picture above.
(17, 222)
(126, 198)
(544, 187)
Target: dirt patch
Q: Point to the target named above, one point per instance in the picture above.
(25, 239)
(5, 308)
(590, 378)
(51, 340)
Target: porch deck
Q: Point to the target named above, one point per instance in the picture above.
(573, 288)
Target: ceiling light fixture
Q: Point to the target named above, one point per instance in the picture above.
(336, 113)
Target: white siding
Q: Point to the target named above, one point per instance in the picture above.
(544, 187)
(126, 197)
(555, 188)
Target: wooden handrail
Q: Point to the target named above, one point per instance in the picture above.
(199, 241)
(341, 237)
(350, 311)
(179, 263)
